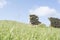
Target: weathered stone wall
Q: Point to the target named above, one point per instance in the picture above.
(55, 22)
(34, 20)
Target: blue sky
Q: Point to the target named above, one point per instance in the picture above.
(19, 10)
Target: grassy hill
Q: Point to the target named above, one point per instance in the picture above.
(11, 30)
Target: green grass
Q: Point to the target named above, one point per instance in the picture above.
(11, 30)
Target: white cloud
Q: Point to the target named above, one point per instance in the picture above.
(43, 11)
(2, 3)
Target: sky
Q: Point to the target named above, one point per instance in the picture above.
(19, 10)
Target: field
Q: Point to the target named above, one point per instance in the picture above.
(11, 30)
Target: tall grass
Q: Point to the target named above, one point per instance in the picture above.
(11, 30)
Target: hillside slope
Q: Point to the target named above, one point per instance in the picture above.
(11, 30)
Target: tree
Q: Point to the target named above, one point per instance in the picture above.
(34, 20)
(55, 22)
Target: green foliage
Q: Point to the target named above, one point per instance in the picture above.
(11, 30)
